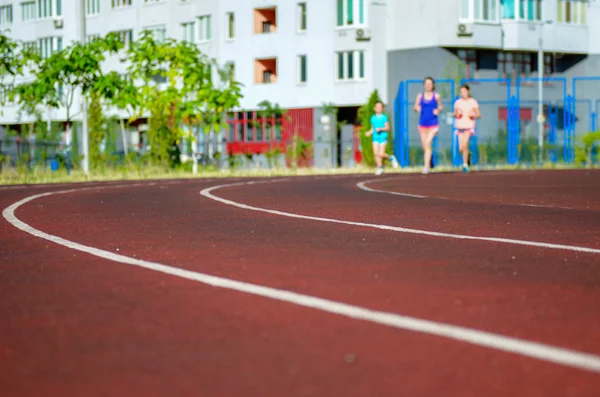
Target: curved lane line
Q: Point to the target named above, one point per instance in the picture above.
(363, 186)
(208, 193)
(543, 352)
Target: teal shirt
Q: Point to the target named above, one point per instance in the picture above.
(379, 122)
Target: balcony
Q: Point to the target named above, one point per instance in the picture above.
(265, 20)
(557, 37)
(265, 71)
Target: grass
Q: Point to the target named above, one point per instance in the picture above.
(40, 176)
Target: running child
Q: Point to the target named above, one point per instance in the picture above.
(466, 111)
(380, 127)
(429, 104)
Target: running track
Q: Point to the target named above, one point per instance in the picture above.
(485, 284)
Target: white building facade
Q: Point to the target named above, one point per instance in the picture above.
(302, 54)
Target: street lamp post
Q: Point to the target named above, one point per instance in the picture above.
(85, 161)
(540, 118)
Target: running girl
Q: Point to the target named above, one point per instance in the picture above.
(466, 111)
(380, 127)
(429, 104)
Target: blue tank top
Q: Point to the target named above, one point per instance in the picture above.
(428, 119)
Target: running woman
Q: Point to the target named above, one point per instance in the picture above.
(429, 104)
(380, 127)
(466, 111)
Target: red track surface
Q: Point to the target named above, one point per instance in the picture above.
(74, 324)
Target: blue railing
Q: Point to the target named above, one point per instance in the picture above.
(558, 119)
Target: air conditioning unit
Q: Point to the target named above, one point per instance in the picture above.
(58, 23)
(363, 35)
(464, 30)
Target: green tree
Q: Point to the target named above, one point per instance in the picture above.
(584, 154)
(96, 131)
(174, 84)
(11, 64)
(364, 115)
(455, 70)
(269, 111)
(58, 78)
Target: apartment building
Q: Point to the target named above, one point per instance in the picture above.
(304, 53)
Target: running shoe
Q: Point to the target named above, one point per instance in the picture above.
(379, 171)
(425, 171)
(465, 168)
(394, 161)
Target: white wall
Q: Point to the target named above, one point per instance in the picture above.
(320, 42)
(433, 23)
(393, 25)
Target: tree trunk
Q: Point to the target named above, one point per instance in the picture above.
(31, 148)
(124, 138)
(68, 149)
(194, 155)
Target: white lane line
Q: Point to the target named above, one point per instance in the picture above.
(208, 193)
(540, 351)
(363, 185)
(546, 206)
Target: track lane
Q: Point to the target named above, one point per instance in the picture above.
(242, 259)
(302, 276)
(571, 190)
(345, 201)
(156, 336)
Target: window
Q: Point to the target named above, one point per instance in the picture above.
(302, 17)
(265, 20)
(39, 9)
(526, 10)
(515, 65)
(265, 71)
(302, 69)
(28, 12)
(92, 7)
(48, 46)
(350, 65)
(361, 64)
(120, 3)
(351, 13)
(267, 76)
(126, 37)
(572, 11)
(469, 58)
(48, 8)
(548, 64)
(340, 66)
(230, 67)
(230, 26)
(479, 10)
(508, 9)
(4, 93)
(6, 15)
(189, 30)
(29, 45)
(159, 32)
(204, 30)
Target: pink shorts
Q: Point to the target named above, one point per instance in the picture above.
(470, 131)
(428, 129)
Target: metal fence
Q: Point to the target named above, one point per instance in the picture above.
(508, 130)
(16, 152)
